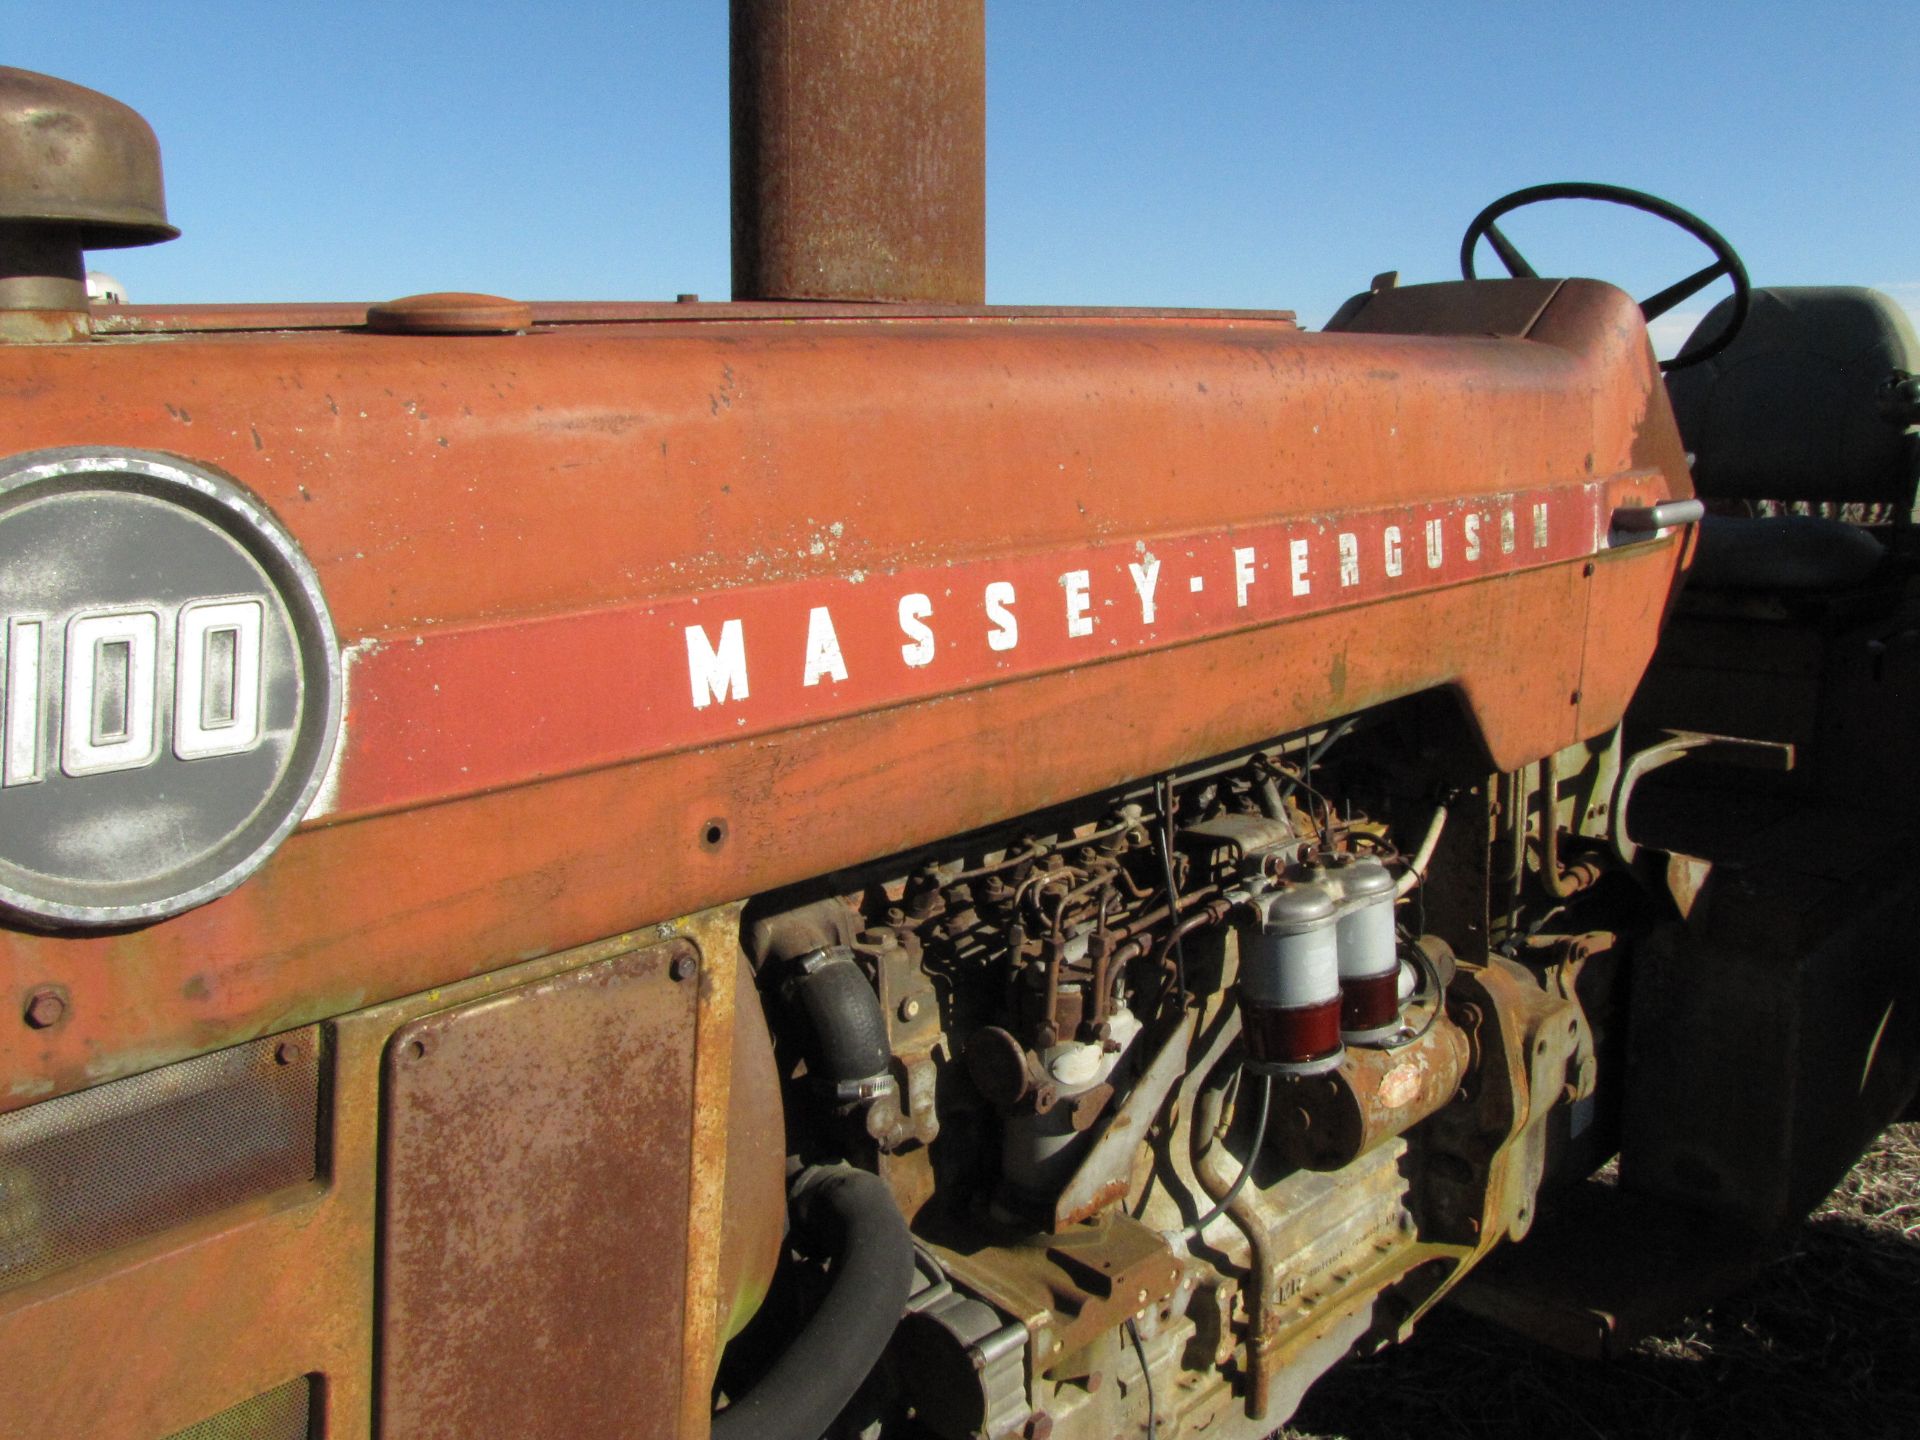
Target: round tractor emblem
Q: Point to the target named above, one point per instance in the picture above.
(169, 686)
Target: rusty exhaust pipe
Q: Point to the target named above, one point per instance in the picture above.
(859, 150)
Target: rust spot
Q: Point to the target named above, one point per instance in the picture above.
(1110, 1193)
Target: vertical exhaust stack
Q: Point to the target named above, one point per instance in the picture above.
(859, 150)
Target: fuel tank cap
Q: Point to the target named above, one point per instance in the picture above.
(450, 312)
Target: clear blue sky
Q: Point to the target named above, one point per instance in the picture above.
(1225, 153)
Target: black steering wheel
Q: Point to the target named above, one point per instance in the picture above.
(1725, 261)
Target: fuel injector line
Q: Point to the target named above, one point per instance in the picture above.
(871, 1274)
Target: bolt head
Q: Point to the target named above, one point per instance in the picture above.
(682, 967)
(909, 1008)
(45, 1008)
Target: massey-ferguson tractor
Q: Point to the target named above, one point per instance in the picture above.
(858, 863)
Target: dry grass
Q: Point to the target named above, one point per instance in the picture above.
(1825, 1343)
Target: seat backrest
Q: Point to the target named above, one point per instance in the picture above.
(1814, 400)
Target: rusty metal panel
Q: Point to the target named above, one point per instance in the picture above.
(282, 1413)
(89, 1172)
(192, 1323)
(536, 1191)
(184, 1325)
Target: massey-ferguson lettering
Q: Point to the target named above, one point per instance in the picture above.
(1319, 560)
(858, 863)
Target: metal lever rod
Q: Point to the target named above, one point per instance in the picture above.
(1647, 519)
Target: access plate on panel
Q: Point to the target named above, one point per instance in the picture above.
(534, 1245)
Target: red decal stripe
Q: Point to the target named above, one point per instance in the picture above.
(451, 712)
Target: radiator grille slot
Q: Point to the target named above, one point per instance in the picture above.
(283, 1413)
(86, 1173)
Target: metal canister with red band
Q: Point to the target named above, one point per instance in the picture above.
(1369, 958)
(1290, 979)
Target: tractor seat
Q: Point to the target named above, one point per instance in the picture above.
(1783, 552)
(1815, 400)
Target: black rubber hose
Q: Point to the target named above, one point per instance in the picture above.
(847, 1036)
(871, 1274)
